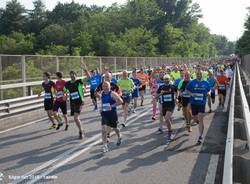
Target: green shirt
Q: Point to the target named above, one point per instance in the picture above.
(126, 85)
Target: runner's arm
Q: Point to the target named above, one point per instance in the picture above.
(117, 98)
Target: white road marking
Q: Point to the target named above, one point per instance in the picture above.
(69, 152)
(24, 125)
(30, 123)
(212, 168)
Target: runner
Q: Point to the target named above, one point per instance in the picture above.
(223, 82)
(60, 102)
(144, 80)
(198, 89)
(153, 88)
(94, 79)
(135, 93)
(212, 84)
(168, 94)
(113, 86)
(160, 82)
(75, 89)
(185, 100)
(49, 89)
(127, 87)
(109, 100)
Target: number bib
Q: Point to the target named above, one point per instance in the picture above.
(59, 94)
(198, 97)
(185, 94)
(106, 107)
(167, 98)
(74, 95)
(47, 96)
(222, 86)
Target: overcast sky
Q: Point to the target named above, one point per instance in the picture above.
(225, 17)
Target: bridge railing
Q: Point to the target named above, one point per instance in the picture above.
(237, 92)
(21, 75)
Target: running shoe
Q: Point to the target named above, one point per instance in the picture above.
(59, 125)
(133, 111)
(105, 149)
(66, 127)
(96, 108)
(80, 135)
(52, 126)
(153, 118)
(123, 125)
(169, 136)
(160, 131)
(119, 141)
(189, 129)
(199, 140)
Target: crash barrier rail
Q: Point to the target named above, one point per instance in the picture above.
(20, 75)
(229, 161)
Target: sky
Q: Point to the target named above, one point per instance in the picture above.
(223, 17)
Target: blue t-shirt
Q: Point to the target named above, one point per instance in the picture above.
(199, 90)
(95, 81)
(177, 82)
(159, 84)
(114, 80)
(211, 82)
(137, 84)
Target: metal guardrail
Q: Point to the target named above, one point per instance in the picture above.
(23, 104)
(245, 108)
(22, 71)
(228, 161)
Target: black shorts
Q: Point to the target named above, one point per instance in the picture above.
(223, 92)
(196, 109)
(185, 101)
(48, 105)
(126, 99)
(167, 108)
(62, 105)
(110, 119)
(75, 107)
(92, 94)
(143, 88)
(213, 95)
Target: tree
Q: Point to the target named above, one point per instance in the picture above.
(17, 43)
(243, 44)
(12, 18)
(134, 42)
(37, 18)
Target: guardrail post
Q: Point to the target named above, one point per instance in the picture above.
(1, 77)
(115, 65)
(57, 64)
(126, 63)
(23, 73)
(81, 59)
(100, 63)
(136, 60)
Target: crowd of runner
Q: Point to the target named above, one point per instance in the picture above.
(187, 87)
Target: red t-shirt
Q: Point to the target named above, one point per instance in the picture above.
(59, 90)
(223, 82)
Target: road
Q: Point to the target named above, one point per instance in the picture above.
(29, 154)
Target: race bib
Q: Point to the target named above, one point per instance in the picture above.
(59, 94)
(185, 94)
(167, 98)
(106, 107)
(222, 86)
(47, 96)
(198, 96)
(74, 95)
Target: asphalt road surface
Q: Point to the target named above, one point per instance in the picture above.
(35, 154)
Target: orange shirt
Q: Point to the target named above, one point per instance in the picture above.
(143, 78)
(223, 81)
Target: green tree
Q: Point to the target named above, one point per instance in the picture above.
(12, 17)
